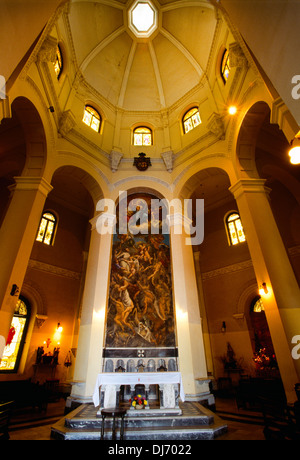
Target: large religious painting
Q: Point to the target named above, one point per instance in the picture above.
(140, 308)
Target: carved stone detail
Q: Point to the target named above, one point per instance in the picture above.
(168, 158)
(47, 52)
(236, 56)
(115, 158)
(67, 122)
(216, 126)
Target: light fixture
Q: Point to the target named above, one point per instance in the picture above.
(294, 152)
(263, 289)
(59, 328)
(232, 110)
(223, 327)
(14, 290)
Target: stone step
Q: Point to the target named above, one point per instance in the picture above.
(196, 422)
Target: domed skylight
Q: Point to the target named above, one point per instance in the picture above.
(142, 18)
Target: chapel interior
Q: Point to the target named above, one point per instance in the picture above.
(95, 104)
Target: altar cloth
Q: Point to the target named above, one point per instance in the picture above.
(137, 378)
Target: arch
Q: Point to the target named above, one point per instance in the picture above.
(210, 176)
(247, 136)
(34, 135)
(183, 184)
(82, 177)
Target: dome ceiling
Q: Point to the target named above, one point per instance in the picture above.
(137, 73)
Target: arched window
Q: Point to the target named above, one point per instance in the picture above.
(16, 337)
(142, 136)
(225, 67)
(264, 355)
(235, 229)
(47, 228)
(92, 118)
(191, 119)
(58, 63)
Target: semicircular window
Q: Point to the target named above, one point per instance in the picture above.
(191, 119)
(142, 136)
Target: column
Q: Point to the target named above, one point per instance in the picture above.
(272, 266)
(17, 236)
(92, 322)
(192, 364)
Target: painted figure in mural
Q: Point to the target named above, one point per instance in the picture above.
(140, 310)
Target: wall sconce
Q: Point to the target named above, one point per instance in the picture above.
(294, 152)
(223, 327)
(14, 290)
(59, 328)
(263, 289)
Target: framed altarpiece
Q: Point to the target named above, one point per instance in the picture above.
(140, 324)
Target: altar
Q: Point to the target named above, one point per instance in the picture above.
(107, 388)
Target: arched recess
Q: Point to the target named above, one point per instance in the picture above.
(246, 142)
(22, 147)
(34, 135)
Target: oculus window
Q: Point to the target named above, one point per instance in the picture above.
(142, 18)
(142, 136)
(191, 119)
(16, 338)
(235, 229)
(92, 118)
(47, 228)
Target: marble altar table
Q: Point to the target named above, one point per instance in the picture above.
(108, 385)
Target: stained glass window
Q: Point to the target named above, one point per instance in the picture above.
(258, 306)
(47, 228)
(191, 119)
(58, 63)
(142, 136)
(225, 67)
(91, 118)
(16, 337)
(235, 229)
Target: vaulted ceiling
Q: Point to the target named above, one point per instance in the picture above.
(135, 73)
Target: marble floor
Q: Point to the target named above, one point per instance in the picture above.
(35, 426)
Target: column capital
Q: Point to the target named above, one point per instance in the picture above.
(177, 218)
(103, 222)
(30, 184)
(248, 185)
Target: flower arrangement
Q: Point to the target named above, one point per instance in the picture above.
(138, 402)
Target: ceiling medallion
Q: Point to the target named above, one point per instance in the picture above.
(142, 162)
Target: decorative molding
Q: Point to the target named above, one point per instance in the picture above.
(229, 269)
(36, 265)
(5, 109)
(66, 123)
(168, 158)
(47, 52)
(293, 251)
(216, 126)
(236, 56)
(115, 158)
(40, 319)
